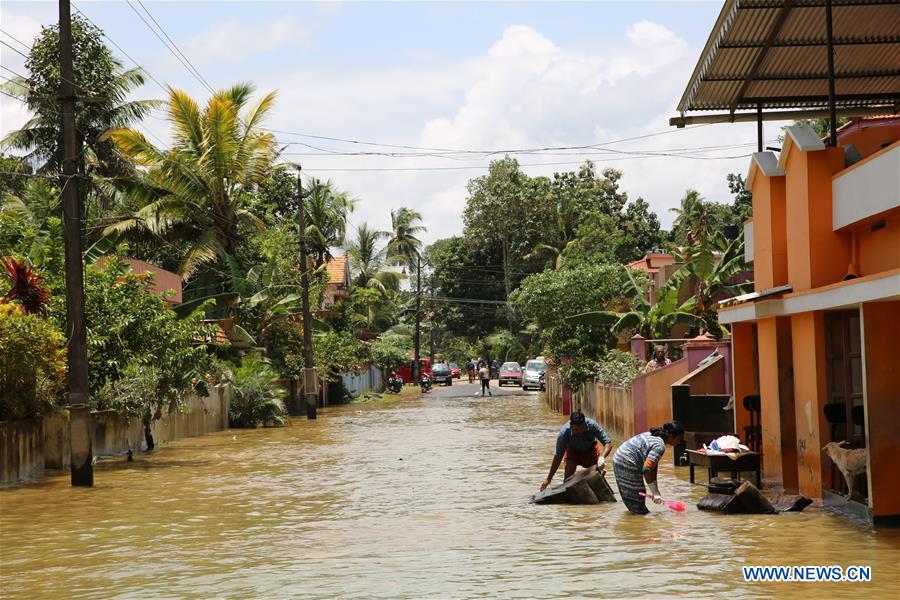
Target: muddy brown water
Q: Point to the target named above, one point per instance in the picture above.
(418, 498)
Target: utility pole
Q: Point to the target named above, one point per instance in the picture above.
(417, 337)
(309, 371)
(82, 469)
(431, 322)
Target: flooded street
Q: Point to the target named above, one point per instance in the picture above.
(416, 498)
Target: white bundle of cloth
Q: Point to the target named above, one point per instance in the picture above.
(725, 444)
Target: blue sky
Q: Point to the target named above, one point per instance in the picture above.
(446, 74)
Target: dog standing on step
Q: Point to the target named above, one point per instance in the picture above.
(849, 462)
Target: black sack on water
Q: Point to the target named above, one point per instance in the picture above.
(790, 503)
(715, 502)
(587, 486)
(747, 499)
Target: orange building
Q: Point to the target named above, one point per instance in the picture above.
(816, 341)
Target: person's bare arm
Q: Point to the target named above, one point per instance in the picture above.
(553, 467)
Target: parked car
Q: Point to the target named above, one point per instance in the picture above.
(440, 373)
(532, 376)
(455, 370)
(510, 372)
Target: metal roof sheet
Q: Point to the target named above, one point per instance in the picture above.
(774, 54)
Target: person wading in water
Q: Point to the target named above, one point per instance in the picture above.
(636, 461)
(578, 443)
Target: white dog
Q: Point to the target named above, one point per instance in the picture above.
(850, 462)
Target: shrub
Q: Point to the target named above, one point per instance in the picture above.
(618, 368)
(256, 400)
(128, 325)
(33, 359)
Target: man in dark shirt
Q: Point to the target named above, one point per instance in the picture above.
(578, 443)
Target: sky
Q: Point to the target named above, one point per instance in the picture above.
(484, 76)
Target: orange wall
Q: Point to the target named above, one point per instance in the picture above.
(777, 401)
(810, 395)
(816, 254)
(879, 250)
(869, 140)
(769, 243)
(659, 391)
(881, 332)
(743, 349)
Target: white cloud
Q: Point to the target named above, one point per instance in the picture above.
(235, 40)
(525, 91)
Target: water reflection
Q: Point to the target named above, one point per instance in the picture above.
(419, 498)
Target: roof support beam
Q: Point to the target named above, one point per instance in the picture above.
(805, 43)
(780, 18)
(817, 4)
(782, 115)
(832, 115)
(751, 101)
(808, 77)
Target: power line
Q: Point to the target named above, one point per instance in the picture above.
(15, 39)
(177, 49)
(14, 49)
(171, 51)
(113, 42)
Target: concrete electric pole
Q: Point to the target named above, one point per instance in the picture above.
(309, 371)
(82, 469)
(418, 333)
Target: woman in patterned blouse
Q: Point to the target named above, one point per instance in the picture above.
(636, 461)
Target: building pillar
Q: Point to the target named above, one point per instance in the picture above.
(639, 346)
(881, 385)
(743, 350)
(777, 402)
(810, 387)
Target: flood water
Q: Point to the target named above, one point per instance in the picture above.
(418, 498)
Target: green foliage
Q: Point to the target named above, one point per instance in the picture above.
(693, 208)
(32, 355)
(219, 154)
(10, 183)
(618, 368)
(334, 352)
(98, 74)
(742, 208)
(326, 219)
(127, 326)
(256, 399)
(463, 270)
(547, 298)
(388, 352)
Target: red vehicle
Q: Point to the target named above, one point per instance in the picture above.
(455, 371)
(510, 372)
(405, 371)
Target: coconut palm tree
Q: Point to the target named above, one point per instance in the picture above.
(368, 261)
(218, 153)
(404, 247)
(326, 219)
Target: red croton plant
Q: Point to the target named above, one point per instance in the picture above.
(27, 286)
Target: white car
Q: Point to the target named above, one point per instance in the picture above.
(531, 378)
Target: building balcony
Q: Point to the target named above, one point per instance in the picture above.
(868, 190)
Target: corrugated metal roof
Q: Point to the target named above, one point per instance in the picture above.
(774, 54)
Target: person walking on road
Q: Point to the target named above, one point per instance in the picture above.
(484, 373)
(470, 370)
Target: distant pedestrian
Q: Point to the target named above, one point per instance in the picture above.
(484, 373)
(470, 370)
